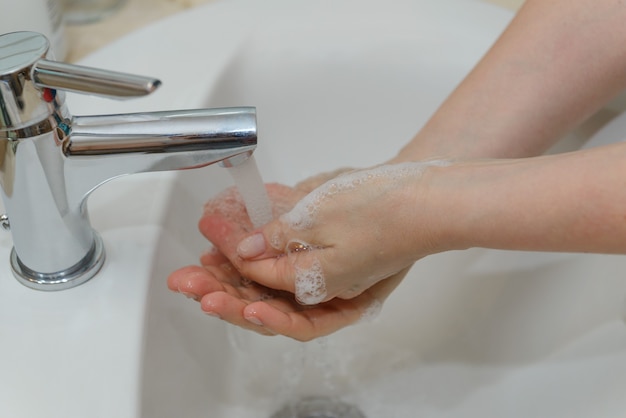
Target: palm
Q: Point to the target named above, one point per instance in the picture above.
(224, 293)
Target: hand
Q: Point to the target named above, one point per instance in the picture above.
(223, 292)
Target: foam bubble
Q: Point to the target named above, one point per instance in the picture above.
(370, 313)
(227, 203)
(302, 216)
(276, 241)
(310, 284)
(210, 252)
(266, 296)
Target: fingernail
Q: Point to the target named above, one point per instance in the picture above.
(252, 246)
(254, 320)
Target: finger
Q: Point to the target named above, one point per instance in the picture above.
(273, 241)
(223, 233)
(270, 241)
(228, 208)
(213, 257)
(177, 276)
(276, 273)
(301, 272)
(230, 205)
(230, 309)
(270, 267)
(195, 282)
(323, 319)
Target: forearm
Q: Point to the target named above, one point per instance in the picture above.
(555, 65)
(570, 202)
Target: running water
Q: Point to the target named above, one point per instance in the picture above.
(251, 188)
(250, 185)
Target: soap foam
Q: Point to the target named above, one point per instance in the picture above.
(310, 284)
(370, 313)
(228, 204)
(302, 216)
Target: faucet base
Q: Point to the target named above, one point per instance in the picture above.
(65, 279)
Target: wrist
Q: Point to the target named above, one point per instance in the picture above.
(465, 203)
(433, 206)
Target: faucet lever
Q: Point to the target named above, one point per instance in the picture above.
(81, 79)
(27, 75)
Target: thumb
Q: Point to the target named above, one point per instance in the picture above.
(270, 241)
(272, 257)
(261, 257)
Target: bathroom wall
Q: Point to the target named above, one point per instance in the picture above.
(83, 39)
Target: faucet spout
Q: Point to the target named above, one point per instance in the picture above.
(156, 141)
(220, 132)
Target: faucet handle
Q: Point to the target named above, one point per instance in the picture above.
(26, 75)
(80, 79)
(26, 53)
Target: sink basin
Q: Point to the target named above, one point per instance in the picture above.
(336, 83)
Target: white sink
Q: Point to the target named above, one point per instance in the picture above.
(336, 83)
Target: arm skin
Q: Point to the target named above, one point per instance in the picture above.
(572, 202)
(556, 64)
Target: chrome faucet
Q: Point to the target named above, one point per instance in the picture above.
(50, 161)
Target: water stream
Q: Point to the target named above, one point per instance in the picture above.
(250, 184)
(251, 188)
